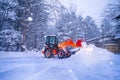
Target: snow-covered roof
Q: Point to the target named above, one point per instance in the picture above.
(104, 39)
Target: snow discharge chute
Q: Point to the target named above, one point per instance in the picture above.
(70, 43)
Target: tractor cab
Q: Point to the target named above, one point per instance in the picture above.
(51, 48)
(52, 42)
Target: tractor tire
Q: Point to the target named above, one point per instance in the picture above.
(48, 53)
(61, 54)
(68, 54)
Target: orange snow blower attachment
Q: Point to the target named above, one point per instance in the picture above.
(79, 42)
(66, 44)
(69, 42)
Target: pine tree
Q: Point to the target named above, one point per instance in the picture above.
(91, 30)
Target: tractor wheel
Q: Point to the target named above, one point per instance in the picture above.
(68, 54)
(61, 54)
(48, 53)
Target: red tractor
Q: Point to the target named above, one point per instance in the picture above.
(52, 47)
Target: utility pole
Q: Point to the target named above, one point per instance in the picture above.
(85, 33)
(102, 26)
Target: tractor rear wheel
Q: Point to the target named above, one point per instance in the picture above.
(68, 54)
(61, 54)
(48, 53)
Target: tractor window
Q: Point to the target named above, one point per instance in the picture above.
(52, 40)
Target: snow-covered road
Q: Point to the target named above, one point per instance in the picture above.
(90, 63)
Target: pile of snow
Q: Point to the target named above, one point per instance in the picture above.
(91, 55)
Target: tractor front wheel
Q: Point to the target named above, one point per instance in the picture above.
(48, 53)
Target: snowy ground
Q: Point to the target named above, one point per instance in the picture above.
(90, 63)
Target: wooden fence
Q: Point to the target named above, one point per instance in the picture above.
(107, 44)
(115, 48)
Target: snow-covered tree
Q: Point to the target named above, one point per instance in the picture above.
(38, 27)
(34, 19)
(8, 18)
(106, 27)
(75, 27)
(112, 10)
(79, 30)
(65, 25)
(9, 40)
(7, 14)
(91, 30)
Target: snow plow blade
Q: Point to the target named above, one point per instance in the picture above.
(73, 51)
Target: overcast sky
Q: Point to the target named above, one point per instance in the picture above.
(93, 8)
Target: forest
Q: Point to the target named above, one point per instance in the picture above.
(25, 23)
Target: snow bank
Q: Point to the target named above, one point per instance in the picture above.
(91, 55)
